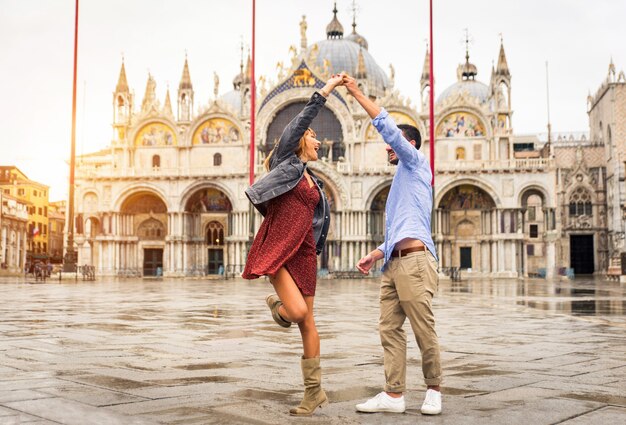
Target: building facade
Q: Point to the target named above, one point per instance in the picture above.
(13, 234)
(168, 195)
(56, 230)
(16, 184)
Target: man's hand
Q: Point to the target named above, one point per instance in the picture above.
(370, 107)
(350, 84)
(365, 264)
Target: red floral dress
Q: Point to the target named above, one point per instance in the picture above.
(285, 238)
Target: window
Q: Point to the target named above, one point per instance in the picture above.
(530, 250)
(534, 231)
(520, 147)
(217, 159)
(34, 193)
(45, 229)
(20, 192)
(580, 203)
(215, 234)
(39, 211)
(45, 211)
(156, 161)
(460, 153)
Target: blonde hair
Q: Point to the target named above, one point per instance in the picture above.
(298, 151)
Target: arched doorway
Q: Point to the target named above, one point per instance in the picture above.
(207, 217)
(143, 215)
(537, 219)
(466, 216)
(215, 247)
(377, 216)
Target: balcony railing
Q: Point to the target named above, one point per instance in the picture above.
(510, 165)
(533, 164)
(158, 172)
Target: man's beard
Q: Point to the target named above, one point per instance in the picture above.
(392, 161)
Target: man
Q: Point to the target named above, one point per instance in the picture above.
(410, 276)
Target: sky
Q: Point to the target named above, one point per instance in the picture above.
(577, 39)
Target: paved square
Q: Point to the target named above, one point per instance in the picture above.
(207, 352)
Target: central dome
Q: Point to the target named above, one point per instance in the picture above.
(343, 56)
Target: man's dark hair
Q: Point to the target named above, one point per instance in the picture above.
(411, 133)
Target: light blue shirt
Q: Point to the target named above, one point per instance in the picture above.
(410, 201)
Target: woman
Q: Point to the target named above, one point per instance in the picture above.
(293, 232)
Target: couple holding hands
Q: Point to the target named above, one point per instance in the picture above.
(296, 221)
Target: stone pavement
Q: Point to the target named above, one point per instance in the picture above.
(207, 352)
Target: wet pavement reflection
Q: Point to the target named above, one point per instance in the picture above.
(585, 296)
(205, 351)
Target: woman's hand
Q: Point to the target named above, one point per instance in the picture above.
(334, 81)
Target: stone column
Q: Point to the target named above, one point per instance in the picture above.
(550, 259)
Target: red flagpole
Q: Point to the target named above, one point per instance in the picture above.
(252, 98)
(69, 262)
(432, 101)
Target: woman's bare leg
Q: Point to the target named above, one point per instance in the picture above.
(308, 331)
(298, 309)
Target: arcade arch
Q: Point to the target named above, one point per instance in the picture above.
(465, 229)
(206, 218)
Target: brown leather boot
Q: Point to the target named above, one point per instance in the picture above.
(273, 302)
(314, 395)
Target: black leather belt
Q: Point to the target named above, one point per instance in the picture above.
(407, 251)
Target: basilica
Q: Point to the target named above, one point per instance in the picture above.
(167, 196)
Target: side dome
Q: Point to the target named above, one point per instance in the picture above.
(358, 39)
(233, 99)
(474, 88)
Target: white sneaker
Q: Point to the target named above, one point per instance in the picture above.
(382, 403)
(432, 403)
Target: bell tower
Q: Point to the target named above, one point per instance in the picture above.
(185, 95)
(122, 106)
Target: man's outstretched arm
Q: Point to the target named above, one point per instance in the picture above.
(391, 133)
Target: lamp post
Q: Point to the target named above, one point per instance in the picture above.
(70, 259)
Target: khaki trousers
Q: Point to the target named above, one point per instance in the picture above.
(407, 289)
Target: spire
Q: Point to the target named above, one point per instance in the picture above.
(361, 71)
(503, 67)
(611, 69)
(150, 96)
(248, 74)
(122, 84)
(426, 70)
(468, 70)
(334, 29)
(185, 80)
(357, 38)
(167, 107)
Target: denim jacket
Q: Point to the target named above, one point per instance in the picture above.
(286, 170)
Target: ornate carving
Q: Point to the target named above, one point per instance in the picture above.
(303, 77)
